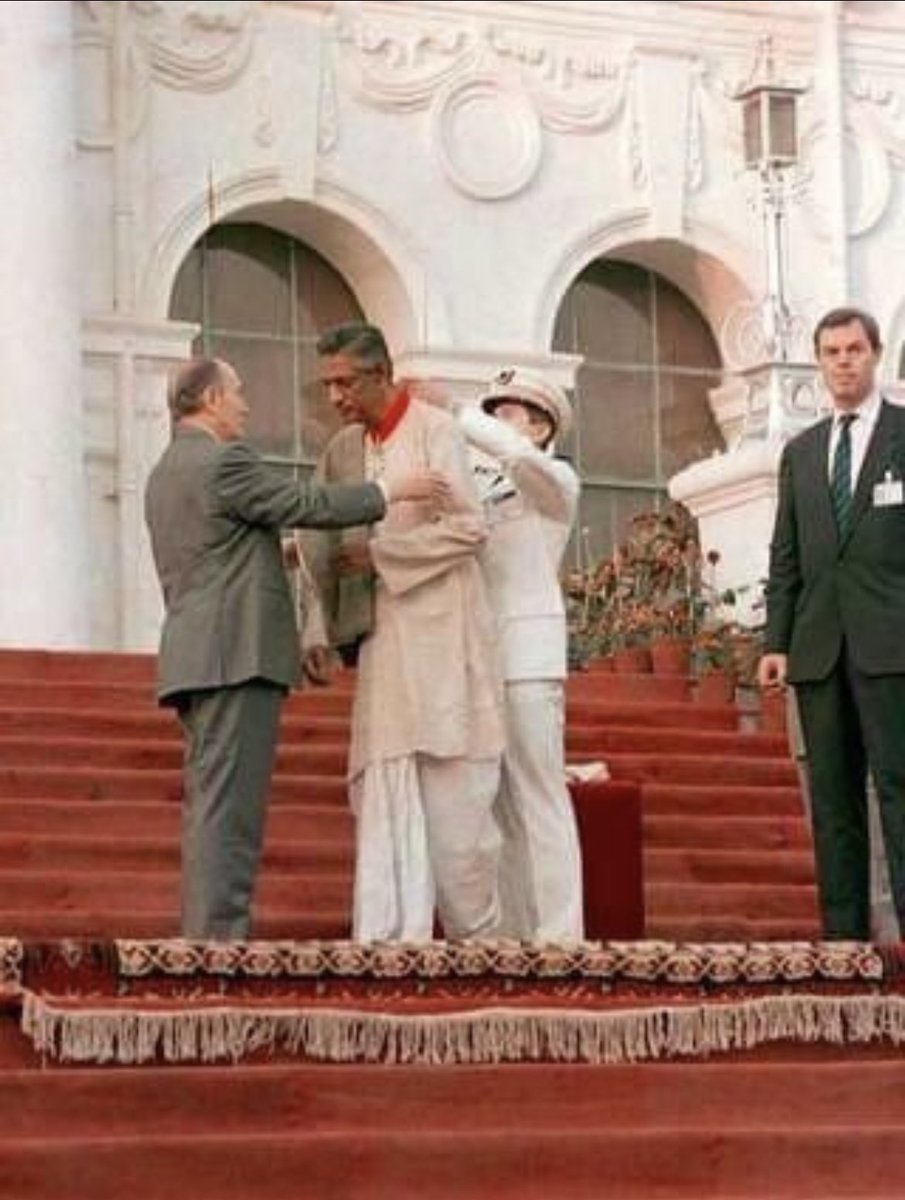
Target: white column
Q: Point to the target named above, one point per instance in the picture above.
(733, 497)
(43, 545)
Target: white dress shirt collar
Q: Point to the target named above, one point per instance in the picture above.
(867, 412)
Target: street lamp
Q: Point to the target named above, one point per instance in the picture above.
(773, 388)
(770, 126)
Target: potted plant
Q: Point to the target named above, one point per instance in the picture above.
(714, 663)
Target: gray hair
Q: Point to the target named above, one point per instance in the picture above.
(189, 383)
(365, 343)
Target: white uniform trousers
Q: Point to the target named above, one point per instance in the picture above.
(540, 870)
(426, 833)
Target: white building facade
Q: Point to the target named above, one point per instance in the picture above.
(551, 184)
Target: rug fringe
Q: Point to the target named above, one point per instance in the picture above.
(477, 1036)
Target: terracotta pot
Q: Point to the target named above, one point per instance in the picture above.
(601, 665)
(671, 656)
(633, 660)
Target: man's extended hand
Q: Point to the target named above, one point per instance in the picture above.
(317, 663)
(432, 486)
(353, 558)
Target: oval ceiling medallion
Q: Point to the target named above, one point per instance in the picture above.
(488, 138)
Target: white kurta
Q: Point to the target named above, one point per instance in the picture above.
(429, 678)
(427, 728)
(530, 508)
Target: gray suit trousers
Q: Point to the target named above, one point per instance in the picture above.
(231, 737)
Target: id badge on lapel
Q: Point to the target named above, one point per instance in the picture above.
(889, 492)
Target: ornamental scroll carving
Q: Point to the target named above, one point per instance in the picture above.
(885, 105)
(200, 46)
(492, 90)
(875, 147)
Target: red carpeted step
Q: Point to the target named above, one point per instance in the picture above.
(699, 768)
(124, 819)
(685, 865)
(88, 783)
(115, 749)
(151, 754)
(776, 1161)
(660, 715)
(155, 724)
(731, 927)
(96, 666)
(91, 783)
(740, 1094)
(101, 921)
(725, 832)
(638, 689)
(81, 851)
(77, 696)
(715, 801)
(330, 701)
(784, 901)
(590, 739)
(140, 891)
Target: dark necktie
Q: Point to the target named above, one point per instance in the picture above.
(841, 475)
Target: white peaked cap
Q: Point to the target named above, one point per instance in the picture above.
(515, 383)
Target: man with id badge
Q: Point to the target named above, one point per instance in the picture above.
(836, 617)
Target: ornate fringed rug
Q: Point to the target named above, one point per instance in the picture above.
(444, 1002)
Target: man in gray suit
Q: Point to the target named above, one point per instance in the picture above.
(229, 644)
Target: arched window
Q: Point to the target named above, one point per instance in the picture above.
(262, 298)
(642, 412)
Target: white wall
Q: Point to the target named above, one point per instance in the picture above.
(460, 163)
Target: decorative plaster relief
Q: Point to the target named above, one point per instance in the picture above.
(747, 333)
(200, 46)
(401, 63)
(575, 89)
(633, 132)
(327, 107)
(884, 107)
(868, 177)
(487, 137)
(265, 128)
(694, 154)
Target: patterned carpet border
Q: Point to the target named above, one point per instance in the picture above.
(135, 1001)
(12, 953)
(654, 962)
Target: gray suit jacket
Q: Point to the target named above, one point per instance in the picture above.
(214, 511)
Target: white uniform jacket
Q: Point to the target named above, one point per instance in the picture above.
(530, 503)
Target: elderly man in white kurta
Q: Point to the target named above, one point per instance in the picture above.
(427, 726)
(530, 499)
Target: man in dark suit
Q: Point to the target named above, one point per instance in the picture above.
(229, 644)
(836, 617)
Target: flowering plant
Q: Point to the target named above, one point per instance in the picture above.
(658, 583)
(713, 648)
